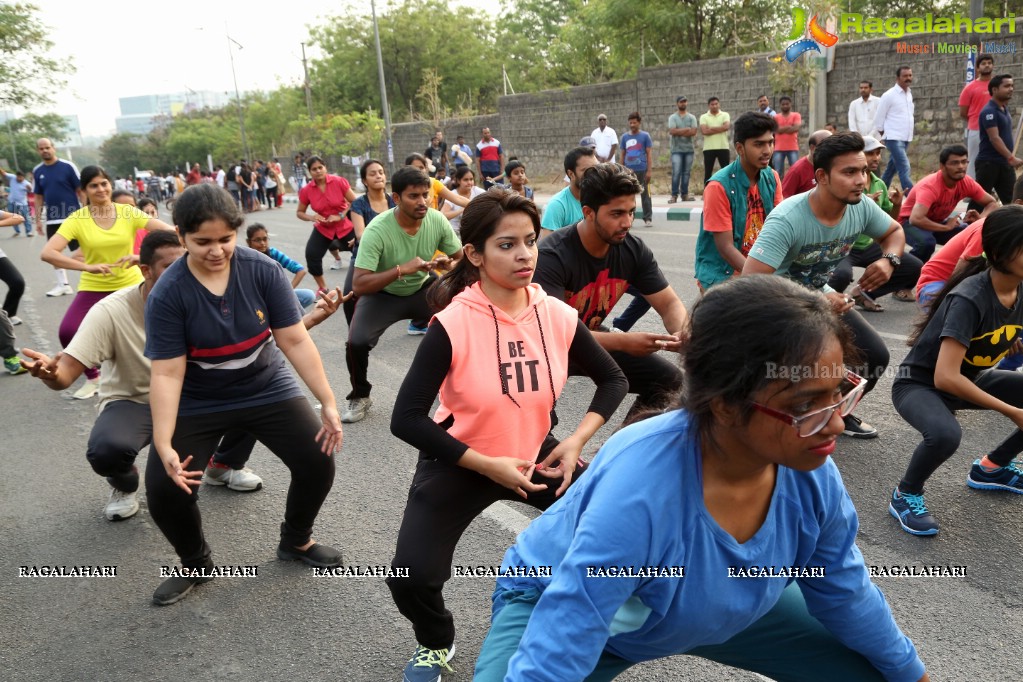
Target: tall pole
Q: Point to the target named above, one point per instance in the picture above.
(10, 136)
(237, 96)
(383, 93)
(305, 84)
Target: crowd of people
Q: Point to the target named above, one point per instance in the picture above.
(719, 462)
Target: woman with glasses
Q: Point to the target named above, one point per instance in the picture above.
(973, 324)
(668, 544)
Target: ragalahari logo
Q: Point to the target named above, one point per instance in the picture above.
(818, 36)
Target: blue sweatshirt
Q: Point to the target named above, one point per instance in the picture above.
(641, 505)
(294, 267)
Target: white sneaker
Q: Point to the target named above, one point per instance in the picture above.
(337, 265)
(15, 320)
(88, 389)
(242, 480)
(356, 410)
(121, 505)
(61, 290)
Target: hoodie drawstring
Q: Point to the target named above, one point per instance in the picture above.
(543, 342)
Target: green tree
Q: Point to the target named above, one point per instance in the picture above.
(339, 134)
(121, 154)
(18, 139)
(25, 68)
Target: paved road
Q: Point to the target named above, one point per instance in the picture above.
(286, 624)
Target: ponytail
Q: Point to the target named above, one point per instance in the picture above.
(967, 268)
(460, 277)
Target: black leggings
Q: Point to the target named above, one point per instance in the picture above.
(271, 197)
(442, 501)
(875, 356)
(10, 276)
(722, 156)
(654, 378)
(932, 413)
(288, 428)
(317, 247)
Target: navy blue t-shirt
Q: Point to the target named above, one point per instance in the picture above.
(58, 184)
(991, 116)
(232, 360)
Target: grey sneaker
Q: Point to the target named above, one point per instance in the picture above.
(121, 506)
(243, 480)
(356, 410)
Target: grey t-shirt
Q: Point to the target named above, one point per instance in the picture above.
(799, 247)
(678, 142)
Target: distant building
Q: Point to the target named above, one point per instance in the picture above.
(140, 114)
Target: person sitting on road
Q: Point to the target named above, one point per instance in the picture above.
(258, 239)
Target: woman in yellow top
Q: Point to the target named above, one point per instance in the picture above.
(439, 193)
(105, 232)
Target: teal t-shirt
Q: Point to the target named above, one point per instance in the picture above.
(799, 247)
(678, 142)
(384, 246)
(562, 210)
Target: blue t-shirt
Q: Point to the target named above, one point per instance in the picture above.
(233, 362)
(561, 211)
(58, 183)
(362, 207)
(992, 116)
(640, 505)
(634, 150)
(18, 192)
(798, 246)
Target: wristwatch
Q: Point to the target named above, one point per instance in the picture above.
(893, 259)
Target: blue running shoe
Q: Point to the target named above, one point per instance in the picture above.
(911, 512)
(413, 330)
(1009, 477)
(427, 665)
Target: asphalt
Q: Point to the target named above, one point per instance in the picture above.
(287, 624)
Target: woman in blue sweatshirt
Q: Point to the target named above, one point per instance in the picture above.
(721, 530)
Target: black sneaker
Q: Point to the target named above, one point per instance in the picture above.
(318, 555)
(1009, 477)
(911, 512)
(857, 428)
(176, 588)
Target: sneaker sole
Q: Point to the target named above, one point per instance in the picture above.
(922, 533)
(978, 485)
(860, 435)
(212, 481)
(181, 595)
(352, 418)
(289, 556)
(120, 517)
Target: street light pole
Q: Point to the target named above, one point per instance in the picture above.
(237, 96)
(383, 94)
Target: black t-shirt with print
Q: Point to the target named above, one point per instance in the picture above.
(972, 315)
(593, 285)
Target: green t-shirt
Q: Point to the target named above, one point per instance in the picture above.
(680, 143)
(797, 246)
(717, 140)
(876, 185)
(384, 246)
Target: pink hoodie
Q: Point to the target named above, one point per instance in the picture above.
(505, 373)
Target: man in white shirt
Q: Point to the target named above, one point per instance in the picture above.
(894, 121)
(222, 177)
(606, 139)
(863, 109)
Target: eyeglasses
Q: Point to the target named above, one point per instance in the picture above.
(812, 422)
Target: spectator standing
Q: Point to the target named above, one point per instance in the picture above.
(863, 110)
(996, 160)
(436, 153)
(786, 141)
(800, 177)
(564, 208)
(764, 106)
(57, 196)
(194, 176)
(17, 200)
(298, 172)
(971, 100)
(894, 120)
(490, 155)
(682, 129)
(714, 126)
(461, 153)
(637, 156)
(606, 139)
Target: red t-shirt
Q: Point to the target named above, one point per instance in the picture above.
(799, 178)
(975, 96)
(717, 212)
(940, 199)
(966, 244)
(194, 178)
(787, 142)
(330, 202)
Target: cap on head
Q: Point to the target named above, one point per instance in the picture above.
(681, 98)
(588, 142)
(870, 144)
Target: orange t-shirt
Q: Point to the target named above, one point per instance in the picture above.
(717, 211)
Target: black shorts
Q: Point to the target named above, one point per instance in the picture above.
(51, 229)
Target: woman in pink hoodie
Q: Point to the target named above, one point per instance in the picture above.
(497, 354)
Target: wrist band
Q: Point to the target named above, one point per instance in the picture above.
(400, 277)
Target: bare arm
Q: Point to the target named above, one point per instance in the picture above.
(308, 217)
(57, 372)
(9, 219)
(454, 197)
(754, 267)
(918, 218)
(964, 112)
(296, 344)
(726, 247)
(358, 224)
(672, 311)
(450, 211)
(298, 278)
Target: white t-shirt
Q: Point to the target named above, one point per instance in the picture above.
(222, 178)
(114, 333)
(456, 222)
(605, 140)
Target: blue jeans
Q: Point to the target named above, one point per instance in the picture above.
(681, 165)
(924, 242)
(22, 210)
(637, 309)
(306, 297)
(898, 162)
(778, 160)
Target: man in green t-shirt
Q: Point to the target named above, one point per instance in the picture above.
(714, 126)
(392, 273)
(682, 129)
(866, 251)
